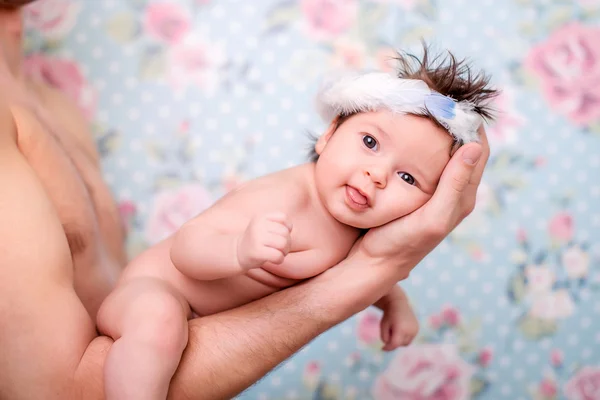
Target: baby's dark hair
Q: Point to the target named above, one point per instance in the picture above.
(445, 75)
(11, 4)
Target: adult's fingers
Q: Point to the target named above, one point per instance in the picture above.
(485, 146)
(445, 209)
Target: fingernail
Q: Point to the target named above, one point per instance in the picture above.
(472, 155)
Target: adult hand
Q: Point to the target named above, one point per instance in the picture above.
(414, 236)
(387, 254)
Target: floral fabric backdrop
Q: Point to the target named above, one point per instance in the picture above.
(189, 98)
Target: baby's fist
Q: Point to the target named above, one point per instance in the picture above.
(398, 328)
(266, 239)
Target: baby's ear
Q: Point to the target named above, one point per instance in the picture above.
(324, 138)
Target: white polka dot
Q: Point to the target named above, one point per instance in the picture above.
(503, 330)
(262, 396)
(234, 27)
(532, 358)
(260, 168)
(251, 42)
(256, 105)
(460, 291)
(552, 148)
(567, 163)
(595, 191)
(239, 91)
(489, 318)
(286, 103)
(518, 345)
(282, 40)
(139, 177)
(446, 16)
(131, 82)
(125, 194)
(274, 151)
(506, 390)
(218, 11)
(147, 96)
(134, 114)
(431, 293)
(225, 108)
(114, 67)
(95, 21)
(586, 353)
(444, 276)
(291, 394)
(164, 112)
(227, 138)
(519, 374)
(268, 57)
(364, 374)
(290, 366)
(579, 146)
(211, 124)
(474, 304)
(487, 287)
(504, 361)
(272, 120)
(332, 346)
(288, 134)
(461, 31)
(117, 98)
(97, 52)
(81, 38)
(242, 122)
(214, 156)
(573, 340)
(100, 84)
(270, 88)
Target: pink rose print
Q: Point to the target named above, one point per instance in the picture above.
(552, 306)
(585, 385)
(576, 262)
(64, 75)
(561, 227)
(425, 372)
(54, 19)
(369, 331)
(172, 208)
(195, 62)
(548, 388)
(348, 54)
(556, 358)
(127, 210)
(326, 19)
(485, 356)
(312, 374)
(568, 64)
(167, 22)
(450, 316)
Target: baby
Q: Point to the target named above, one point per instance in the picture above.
(387, 143)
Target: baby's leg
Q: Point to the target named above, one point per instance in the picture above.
(147, 319)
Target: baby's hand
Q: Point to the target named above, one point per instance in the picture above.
(266, 239)
(399, 326)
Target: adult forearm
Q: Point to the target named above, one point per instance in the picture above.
(230, 351)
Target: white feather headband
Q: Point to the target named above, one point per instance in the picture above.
(374, 91)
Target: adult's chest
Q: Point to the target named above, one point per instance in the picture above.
(80, 201)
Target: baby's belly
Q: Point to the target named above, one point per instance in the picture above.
(204, 297)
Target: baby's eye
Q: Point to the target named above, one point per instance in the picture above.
(408, 178)
(370, 142)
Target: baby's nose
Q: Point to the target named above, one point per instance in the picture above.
(377, 175)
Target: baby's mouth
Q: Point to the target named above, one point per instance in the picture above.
(356, 198)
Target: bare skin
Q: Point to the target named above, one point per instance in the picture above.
(56, 282)
(270, 234)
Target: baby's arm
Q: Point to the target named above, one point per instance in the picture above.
(399, 325)
(204, 252)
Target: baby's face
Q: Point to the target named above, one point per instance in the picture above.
(379, 166)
